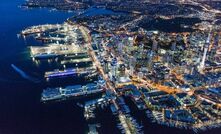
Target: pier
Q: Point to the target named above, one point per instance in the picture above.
(54, 50)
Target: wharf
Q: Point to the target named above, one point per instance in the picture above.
(70, 72)
(84, 60)
(54, 50)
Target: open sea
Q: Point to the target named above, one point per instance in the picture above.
(21, 111)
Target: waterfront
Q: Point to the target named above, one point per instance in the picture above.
(21, 111)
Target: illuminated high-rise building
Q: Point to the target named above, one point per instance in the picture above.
(173, 47)
(106, 68)
(154, 45)
(122, 69)
(132, 64)
(114, 67)
(120, 48)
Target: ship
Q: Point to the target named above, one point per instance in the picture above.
(60, 93)
(45, 56)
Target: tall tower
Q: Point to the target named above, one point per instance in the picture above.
(206, 47)
(202, 64)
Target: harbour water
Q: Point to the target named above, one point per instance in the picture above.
(21, 111)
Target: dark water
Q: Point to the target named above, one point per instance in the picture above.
(20, 109)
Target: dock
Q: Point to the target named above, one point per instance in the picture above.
(39, 52)
(70, 72)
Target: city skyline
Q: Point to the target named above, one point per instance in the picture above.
(127, 66)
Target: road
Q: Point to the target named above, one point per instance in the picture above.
(123, 119)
